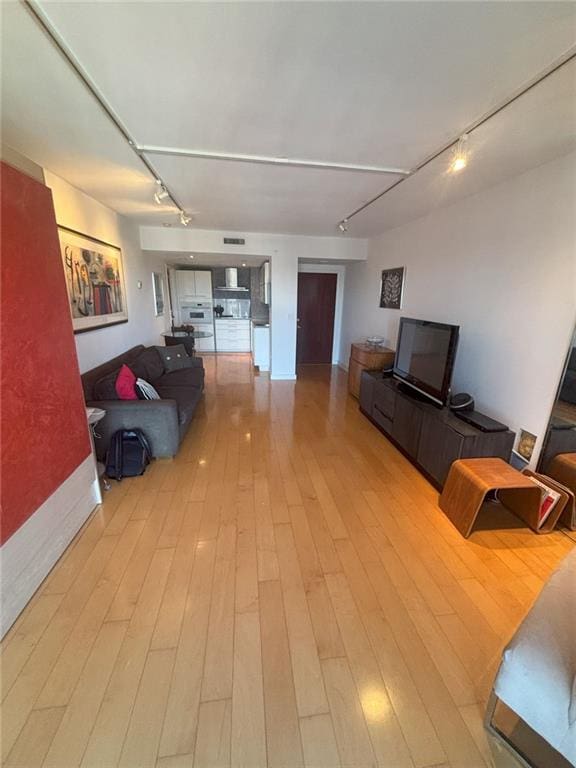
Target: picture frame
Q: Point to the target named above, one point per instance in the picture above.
(526, 444)
(392, 288)
(94, 273)
(158, 290)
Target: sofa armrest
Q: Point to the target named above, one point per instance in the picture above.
(158, 419)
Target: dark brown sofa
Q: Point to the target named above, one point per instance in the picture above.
(163, 421)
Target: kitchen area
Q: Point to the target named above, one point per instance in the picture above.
(231, 303)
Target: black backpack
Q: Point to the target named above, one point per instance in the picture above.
(128, 455)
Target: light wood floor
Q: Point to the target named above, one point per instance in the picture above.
(285, 593)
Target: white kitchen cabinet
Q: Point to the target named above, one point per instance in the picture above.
(203, 284)
(205, 345)
(192, 283)
(261, 347)
(232, 335)
(185, 283)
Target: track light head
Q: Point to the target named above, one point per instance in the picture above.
(343, 225)
(185, 219)
(460, 154)
(161, 193)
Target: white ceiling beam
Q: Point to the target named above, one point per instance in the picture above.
(267, 160)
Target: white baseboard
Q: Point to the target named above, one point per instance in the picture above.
(283, 377)
(31, 552)
(343, 366)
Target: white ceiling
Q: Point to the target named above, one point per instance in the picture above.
(372, 83)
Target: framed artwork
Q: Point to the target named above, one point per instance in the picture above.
(392, 288)
(95, 281)
(526, 443)
(158, 287)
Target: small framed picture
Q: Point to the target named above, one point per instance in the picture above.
(158, 287)
(392, 288)
(526, 443)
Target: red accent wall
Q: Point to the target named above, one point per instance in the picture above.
(43, 431)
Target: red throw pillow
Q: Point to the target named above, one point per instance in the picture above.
(126, 384)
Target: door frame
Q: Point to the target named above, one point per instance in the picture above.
(340, 271)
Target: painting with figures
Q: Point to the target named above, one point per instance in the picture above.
(95, 281)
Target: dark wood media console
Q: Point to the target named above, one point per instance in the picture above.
(432, 438)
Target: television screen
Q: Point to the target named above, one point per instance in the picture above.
(425, 356)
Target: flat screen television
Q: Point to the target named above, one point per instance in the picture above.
(425, 354)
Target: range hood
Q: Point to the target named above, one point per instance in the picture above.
(231, 281)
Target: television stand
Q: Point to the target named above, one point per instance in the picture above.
(430, 437)
(409, 391)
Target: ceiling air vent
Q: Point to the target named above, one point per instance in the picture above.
(234, 241)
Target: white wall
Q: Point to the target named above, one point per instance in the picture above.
(502, 265)
(283, 252)
(340, 271)
(78, 211)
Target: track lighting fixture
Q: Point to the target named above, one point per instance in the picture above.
(161, 193)
(343, 225)
(459, 159)
(184, 219)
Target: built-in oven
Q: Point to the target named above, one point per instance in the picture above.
(196, 313)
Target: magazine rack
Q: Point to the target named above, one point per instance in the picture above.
(470, 480)
(565, 497)
(562, 469)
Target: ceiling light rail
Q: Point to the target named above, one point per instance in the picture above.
(269, 160)
(40, 17)
(459, 142)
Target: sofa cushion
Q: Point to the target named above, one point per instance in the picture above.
(186, 398)
(126, 384)
(105, 388)
(145, 390)
(175, 357)
(90, 378)
(186, 377)
(148, 365)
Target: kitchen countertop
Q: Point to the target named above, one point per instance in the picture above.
(261, 323)
(232, 317)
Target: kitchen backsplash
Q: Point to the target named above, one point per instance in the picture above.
(236, 301)
(239, 308)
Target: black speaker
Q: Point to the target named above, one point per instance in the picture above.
(461, 402)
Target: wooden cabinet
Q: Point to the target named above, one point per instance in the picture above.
(232, 335)
(432, 438)
(366, 357)
(438, 447)
(406, 425)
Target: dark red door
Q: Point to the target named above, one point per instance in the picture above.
(316, 304)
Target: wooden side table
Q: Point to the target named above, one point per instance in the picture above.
(470, 480)
(366, 357)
